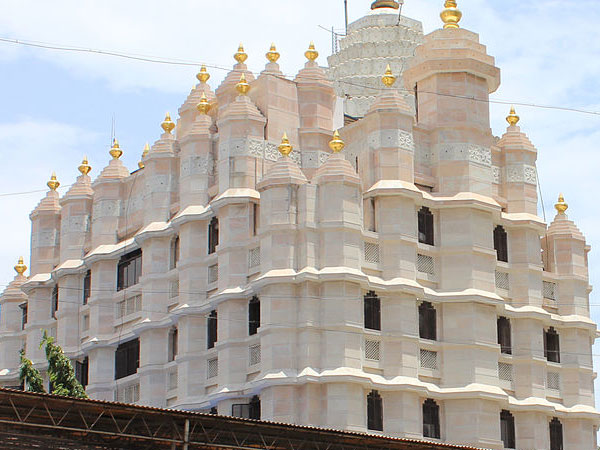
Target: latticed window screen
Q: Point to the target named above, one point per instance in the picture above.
(213, 273)
(505, 371)
(372, 252)
(212, 368)
(372, 349)
(553, 381)
(549, 290)
(254, 354)
(425, 264)
(254, 257)
(172, 379)
(129, 306)
(128, 394)
(502, 281)
(428, 359)
(174, 289)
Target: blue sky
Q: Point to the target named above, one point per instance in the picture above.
(58, 106)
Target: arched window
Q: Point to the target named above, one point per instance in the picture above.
(213, 235)
(431, 419)
(507, 429)
(425, 219)
(556, 435)
(54, 305)
(87, 286)
(374, 411)
(253, 316)
(211, 329)
(427, 321)
(504, 335)
(552, 345)
(372, 306)
(174, 253)
(501, 243)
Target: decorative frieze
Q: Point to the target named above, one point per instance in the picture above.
(460, 151)
(521, 174)
(392, 139)
(497, 174)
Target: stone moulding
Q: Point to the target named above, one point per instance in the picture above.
(460, 151)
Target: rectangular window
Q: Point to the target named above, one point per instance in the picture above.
(211, 329)
(173, 342)
(427, 321)
(431, 419)
(127, 358)
(82, 371)
(54, 302)
(213, 235)
(504, 335)
(507, 429)
(253, 316)
(247, 410)
(87, 286)
(374, 411)
(129, 270)
(501, 244)
(23, 315)
(372, 306)
(255, 218)
(552, 345)
(425, 226)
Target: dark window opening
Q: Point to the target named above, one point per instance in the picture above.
(501, 244)
(213, 410)
(127, 358)
(54, 305)
(211, 329)
(425, 219)
(87, 286)
(213, 235)
(23, 315)
(507, 429)
(556, 435)
(374, 411)
(174, 253)
(129, 270)
(173, 343)
(255, 218)
(504, 335)
(552, 345)
(373, 215)
(247, 410)
(372, 306)
(253, 316)
(431, 419)
(82, 371)
(427, 321)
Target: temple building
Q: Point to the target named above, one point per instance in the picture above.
(349, 249)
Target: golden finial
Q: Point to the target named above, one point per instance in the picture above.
(85, 168)
(115, 150)
(336, 144)
(141, 164)
(311, 54)
(561, 206)
(273, 55)
(385, 4)
(203, 75)
(512, 117)
(241, 56)
(53, 184)
(168, 124)
(204, 105)
(451, 15)
(243, 87)
(285, 148)
(20, 268)
(388, 78)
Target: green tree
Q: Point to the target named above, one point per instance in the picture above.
(29, 375)
(60, 370)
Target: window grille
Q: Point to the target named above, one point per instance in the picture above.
(174, 289)
(429, 359)
(254, 354)
(372, 252)
(129, 306)
(213, 273)
(549, 290)
(172, 379)
(425, 264)
(372, 350)
(254, 258)
(553, 381)
(85, 325)
(505, 372)
(213, 368)
(128, 394)
(502, 281)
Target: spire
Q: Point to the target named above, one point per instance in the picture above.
(243, 87)
(336, 144)
(388, 78)
(311, 54)
(20, 268)
(85, 168)
(167, 124)
(561, 207)
(385, 4)
(451, 15)
(512, 117)
(203, 76)
(53, 184)
(272, 55)
(285, 148)
(115, 151)
(240, 56)
(204, 105)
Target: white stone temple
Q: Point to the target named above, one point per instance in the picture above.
(392, 278)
